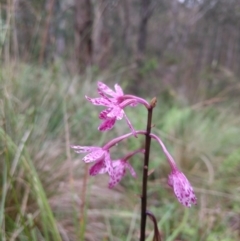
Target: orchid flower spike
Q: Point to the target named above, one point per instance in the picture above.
(115, 103)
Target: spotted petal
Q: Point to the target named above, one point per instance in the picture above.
(182, 188)
(130, 168)
(82, 149)
(103, 114)
(98, 168)
(120, 167)
(99, 101)
(107, 124)
(116, 112)
(94, 156)
(108, 164)
(119, 172)
(104, 88)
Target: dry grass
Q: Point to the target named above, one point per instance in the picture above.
(46, 194)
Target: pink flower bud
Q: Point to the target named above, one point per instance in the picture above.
(182, 188)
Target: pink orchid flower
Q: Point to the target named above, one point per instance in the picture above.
(182, 188)
(115, 103)
(177, 180)
(119, 166)
(98, 155)
(103, 163)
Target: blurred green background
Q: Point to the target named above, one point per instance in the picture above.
(53, 52)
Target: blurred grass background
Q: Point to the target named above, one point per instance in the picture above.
(46, 194)
(45, 191)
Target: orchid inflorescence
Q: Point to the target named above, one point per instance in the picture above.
(115, 103)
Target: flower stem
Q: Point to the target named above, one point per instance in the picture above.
(120, 138)
(130, 154)
(145, 175)
(139, 100)
(165, 151)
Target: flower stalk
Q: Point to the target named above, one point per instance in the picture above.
(145, 172)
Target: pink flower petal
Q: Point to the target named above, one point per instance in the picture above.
(116, 163)
(107, 124)
(101, 93)
(104, 88)
(103, 114)
(119, 90)
(116, 112)
(94, 156)
(117, 176)
(130, 125)
(98, 168)
(99, 101)
(108, 164)
(119, 172)
(182, 188)
(82, 149)
(130, 168)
